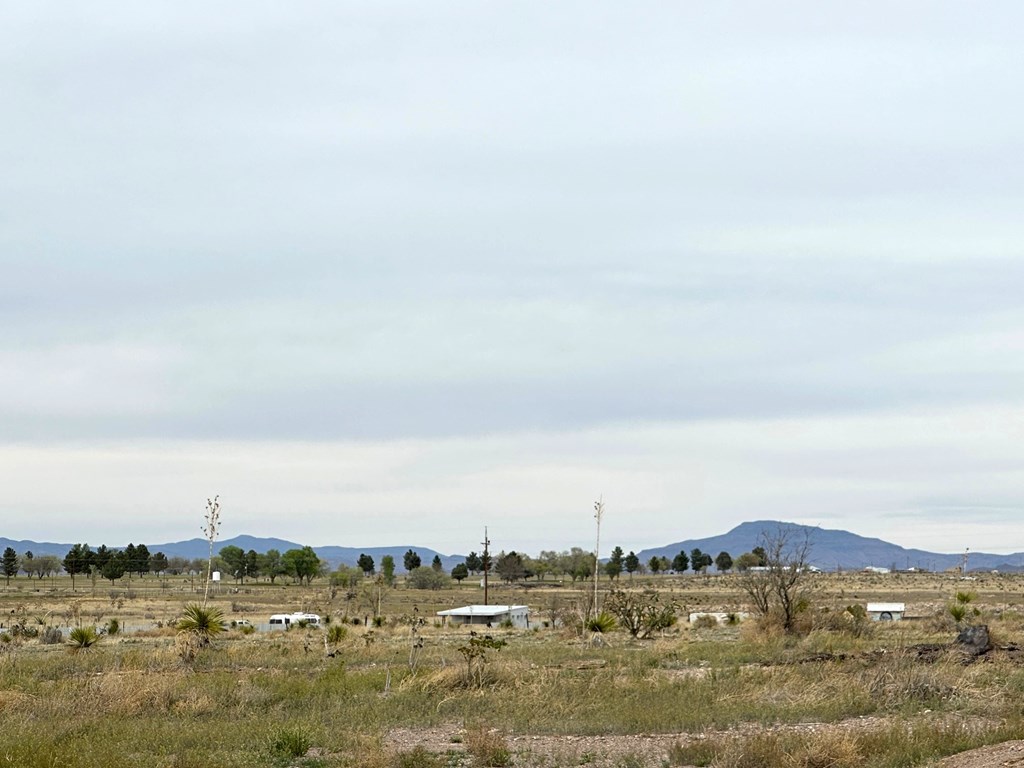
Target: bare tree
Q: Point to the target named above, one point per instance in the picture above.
(779, 588)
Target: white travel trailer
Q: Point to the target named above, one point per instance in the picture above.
(285, 620)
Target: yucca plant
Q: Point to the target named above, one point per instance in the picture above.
(202, 623)
(82, 638)
(602, 622)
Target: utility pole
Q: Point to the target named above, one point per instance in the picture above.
(486, 560)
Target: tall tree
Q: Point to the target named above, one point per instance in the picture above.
(234, 560)
(723, 562)
(436, 563)
(613, 568)
(387, 569)
(302, 564)
(631, 563)
(159, 563)
(271, 565)
(141, 562)
(680, 563)
(460, 572)
(699, 561)
(115, 567)
(473, 563)
(411, 561)
(654, 564)
(365, 564)
(77, 560)
(510, 566)
(10, 564)
(252, 564)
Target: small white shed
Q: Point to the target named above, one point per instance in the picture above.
(488, 615)
(886, 611)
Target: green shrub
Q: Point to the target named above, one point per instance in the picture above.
(51, 636)
(82, 638)
(417, 757)
(336, 633)
(488, 747)
(705, 622)
(603, 622)
(113, 627)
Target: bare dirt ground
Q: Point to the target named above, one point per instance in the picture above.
(655, 749)
(1008, 753)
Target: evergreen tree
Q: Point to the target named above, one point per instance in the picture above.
(159, 563)
(436, 563)
(631, 563)
(411, 561)
(680, 563)
(77, 560)
(724, 561)
(460, 572)
(115, 567)
(366, 564)
(473, 563)
(141, 563)
(10, 563)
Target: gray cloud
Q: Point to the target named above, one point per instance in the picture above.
(333, 222)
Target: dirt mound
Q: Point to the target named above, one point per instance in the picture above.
(1009, 753)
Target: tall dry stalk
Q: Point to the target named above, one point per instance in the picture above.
(598, 514)
(210, 531)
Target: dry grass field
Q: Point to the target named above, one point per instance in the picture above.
(839, 693)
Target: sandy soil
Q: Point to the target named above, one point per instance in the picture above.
(653, 749)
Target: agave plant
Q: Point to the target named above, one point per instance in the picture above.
(203, 623)
(602, 622)
(82, 638)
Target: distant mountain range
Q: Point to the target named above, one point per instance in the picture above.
(830, 550)
(835, 549)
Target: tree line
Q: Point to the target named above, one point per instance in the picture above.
(301, 564)
(576, 563)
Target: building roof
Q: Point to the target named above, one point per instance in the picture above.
(481, 610)
(887, 607)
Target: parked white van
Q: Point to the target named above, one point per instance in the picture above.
(285, 620)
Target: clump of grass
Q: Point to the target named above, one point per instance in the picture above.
(417, 757)
(705, 622)
(51, 636)
(289, 743)
(336, 633)
(488, 747)
(113, 627)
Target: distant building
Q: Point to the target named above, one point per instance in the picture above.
(877, 569)
(488, 615)
(886, 611)
(720, 616)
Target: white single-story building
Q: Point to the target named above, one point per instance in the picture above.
(886, 611)
(488, 615)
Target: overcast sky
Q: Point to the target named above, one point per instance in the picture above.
(386, 273)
